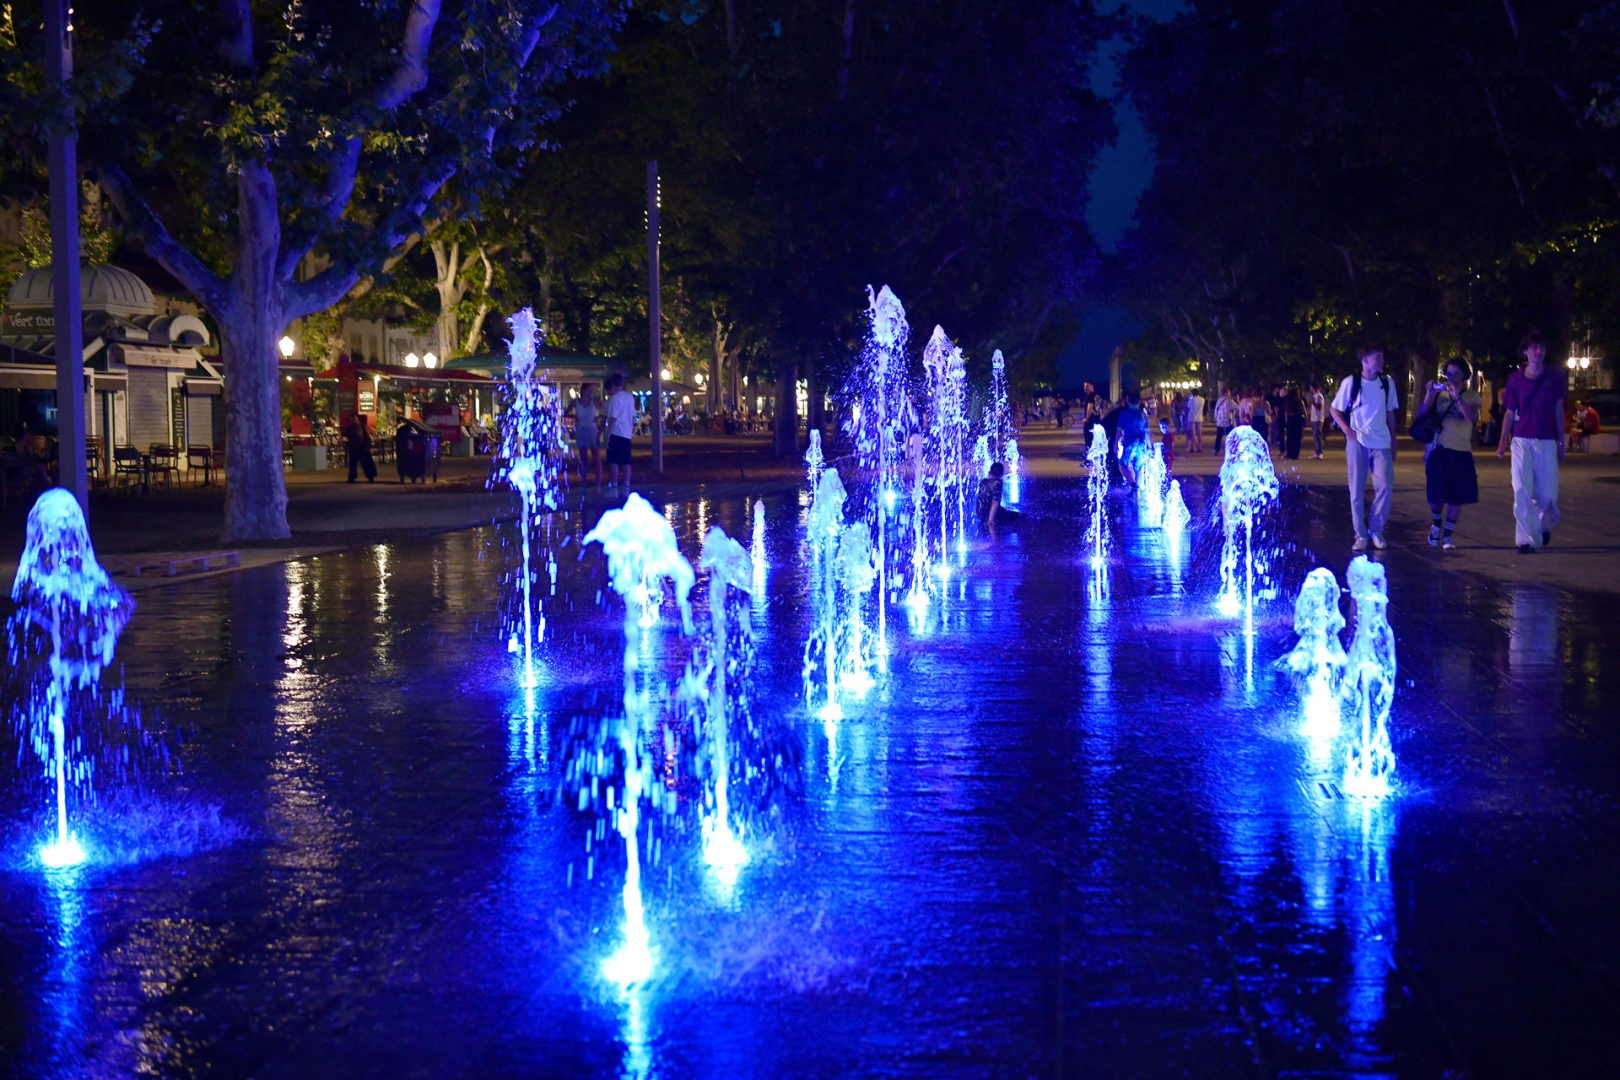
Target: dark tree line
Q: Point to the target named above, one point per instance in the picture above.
(1440, 176)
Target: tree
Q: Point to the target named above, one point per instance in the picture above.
(289, 131)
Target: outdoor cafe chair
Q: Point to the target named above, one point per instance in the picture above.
(127, 464)
(165, 462)
(201, 458)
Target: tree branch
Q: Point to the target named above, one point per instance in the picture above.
(187, 269)
(411, 74)
(237, 43)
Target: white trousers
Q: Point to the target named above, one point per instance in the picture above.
(1362, 461)
(1535, 489)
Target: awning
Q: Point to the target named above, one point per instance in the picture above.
(27, 378)
(419, 375)
(562, 364)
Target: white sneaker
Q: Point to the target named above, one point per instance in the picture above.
(1360, 544)
(1378, 541)
(1434, 536)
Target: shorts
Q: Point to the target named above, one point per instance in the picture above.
(618, 450)
(587, 437)
(1449, 476)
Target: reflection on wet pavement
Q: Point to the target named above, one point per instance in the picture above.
(1076, 832)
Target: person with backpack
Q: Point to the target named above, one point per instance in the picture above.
(1533, 424)
(1366, 409)
(1448, 461)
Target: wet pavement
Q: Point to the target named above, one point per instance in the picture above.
(1069, 835)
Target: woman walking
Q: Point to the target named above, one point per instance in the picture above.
(1293, 424)
(1448, 461)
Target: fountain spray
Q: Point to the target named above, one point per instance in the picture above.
(1318, 658)
(1248, 485)
(1370, 682)
(61, 590)
(641, 553)
(729, 568)
(529, 426)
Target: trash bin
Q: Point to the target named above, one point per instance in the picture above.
(416, 452)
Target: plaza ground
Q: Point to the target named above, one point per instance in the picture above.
(1075, 830)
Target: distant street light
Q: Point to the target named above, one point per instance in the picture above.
(287, 347)
(411, 360)
(429, 360)
(664, 372)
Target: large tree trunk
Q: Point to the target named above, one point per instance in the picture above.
(250, 323)
(447, 264)
(716, 396)
(785, 429)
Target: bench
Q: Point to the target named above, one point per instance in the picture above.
(1603, 444)
(195, 564)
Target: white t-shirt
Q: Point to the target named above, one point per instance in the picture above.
(1318, 407)
(1370, 417)
(1195, 409)
(621, 414)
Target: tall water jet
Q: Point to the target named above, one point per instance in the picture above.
(641, 554)
(826, 525)
(1318, 659)
(757, 549)
(1176, 514)
(1150, 485)
(529, 430)
(730, 570)
(1369, 683)
(877, 422)
(857, 570)
(1097, 502)
(61, 591)
(813, 462)
(999, 427)
(948, 434)
(1248, 485)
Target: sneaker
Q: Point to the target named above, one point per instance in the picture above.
(1360, 544)
(1546, 539)
(1378, 541)
(1526, 549)
(1434, 536)
(1448, 544)
(1318, 457)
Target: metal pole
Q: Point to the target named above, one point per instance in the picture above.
(654, 319)
(64, 193)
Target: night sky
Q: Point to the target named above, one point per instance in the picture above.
(1122, 172)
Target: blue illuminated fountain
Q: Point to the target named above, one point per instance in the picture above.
(1176, 514)
(1318, 660)
(998, 426)
(730, 571)
(947, 445)
(641, 554)
(1150, 484)
(529, 430)
(857, 570)
(1369, 683)
(813, 462)
(1248, 486)
(821, 654)
(1097, 539)
(61, 591)
(758, 549)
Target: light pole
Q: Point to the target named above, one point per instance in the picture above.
(654, 319)
(64, 194)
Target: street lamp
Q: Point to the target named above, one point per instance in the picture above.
(411, 360)
(429, 360)
(664, 372)
(287, 346)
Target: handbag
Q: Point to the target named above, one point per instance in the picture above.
(1426, 427)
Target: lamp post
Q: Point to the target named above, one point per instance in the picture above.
(64, 194)
(654, 319)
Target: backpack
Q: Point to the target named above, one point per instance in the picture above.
(1355, 393)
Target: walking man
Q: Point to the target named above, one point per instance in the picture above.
(1366, 408)
(1317, 405)
(621, 425)
(1195, 422)
(1533, 423)
(358, 437)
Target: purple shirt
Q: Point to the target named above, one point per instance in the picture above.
(1537, 404)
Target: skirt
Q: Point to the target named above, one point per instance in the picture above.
(1449, 476)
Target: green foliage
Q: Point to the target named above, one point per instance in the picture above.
(1433, 175)
(97, 239)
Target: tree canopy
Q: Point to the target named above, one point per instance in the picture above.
(1435, 175)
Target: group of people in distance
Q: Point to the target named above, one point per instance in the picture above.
(1366, 408)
